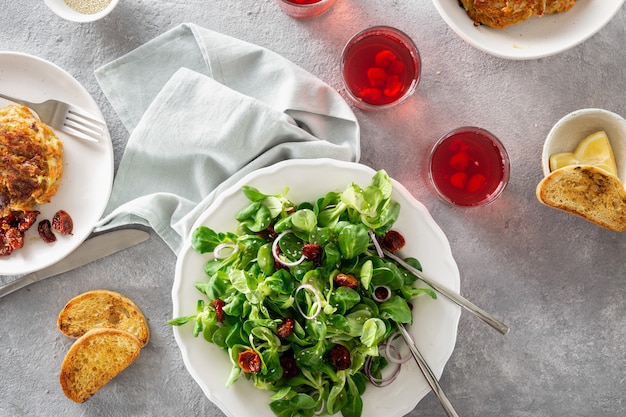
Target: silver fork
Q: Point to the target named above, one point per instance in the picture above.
(66, 117)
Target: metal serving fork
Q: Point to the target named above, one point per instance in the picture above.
(66, 117)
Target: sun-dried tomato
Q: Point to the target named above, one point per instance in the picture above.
(346, 280)
(14, 238)
(45, 231)
(340, 357)
(5, 250)
(277, 264)
(312, 251)
(27, 220)
(249, 361)
(62, 222)
(392, 241)
(289, 365)
(218, 305)
(285, 329)
(267, 233)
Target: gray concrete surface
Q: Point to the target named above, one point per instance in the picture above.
(556, 280)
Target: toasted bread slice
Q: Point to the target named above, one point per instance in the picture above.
(94, 359)
(588, 192)
(102, 309)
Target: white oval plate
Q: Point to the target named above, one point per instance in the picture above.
(87, 167)
(435, 321)
(535, 38)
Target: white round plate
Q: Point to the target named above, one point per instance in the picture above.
(87, 167)
(435, 321)
(537, 37)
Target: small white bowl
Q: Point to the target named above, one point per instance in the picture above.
(66, 12)
(573, 128)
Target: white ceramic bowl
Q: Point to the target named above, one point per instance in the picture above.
(66, 12)
(434, 325)
(571, 129)
(535, 38)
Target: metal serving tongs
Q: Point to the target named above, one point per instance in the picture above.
(457, 299)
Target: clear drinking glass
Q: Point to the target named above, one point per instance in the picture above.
(380, 67)
(302, 9)
(469, 167)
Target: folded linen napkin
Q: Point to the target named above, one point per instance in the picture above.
(205, 109)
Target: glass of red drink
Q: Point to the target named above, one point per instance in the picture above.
(302, 9)
(380, 67)
(469, 167)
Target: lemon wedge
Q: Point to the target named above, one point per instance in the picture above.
(594, 150)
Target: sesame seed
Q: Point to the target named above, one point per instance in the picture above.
(88, 6)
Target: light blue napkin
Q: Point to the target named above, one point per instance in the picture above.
(205, 109)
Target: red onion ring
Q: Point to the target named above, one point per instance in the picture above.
(217, 252)
(379, 251)
(381, 300)
(382, 382)
(388, 347)
(275, 254)
(320, 410)
(318, 301)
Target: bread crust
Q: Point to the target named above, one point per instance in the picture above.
(94, 359)
(587, 192)
(102, 309)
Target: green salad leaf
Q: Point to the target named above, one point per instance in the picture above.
(293, 302)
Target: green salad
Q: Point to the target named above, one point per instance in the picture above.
(302, 300)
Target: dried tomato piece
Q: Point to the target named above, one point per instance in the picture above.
(312, 251)
(346, 280)
(289, 365)
(45, 231)
(14, 238)
(285, 329)
(27, 220)
(268, 233)
(393, 241)
(62, 222)
(5, 250)
(249, 361)
(218, 305)
(340, 357)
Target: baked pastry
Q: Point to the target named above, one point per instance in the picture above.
(500, 14)
(31, 161)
